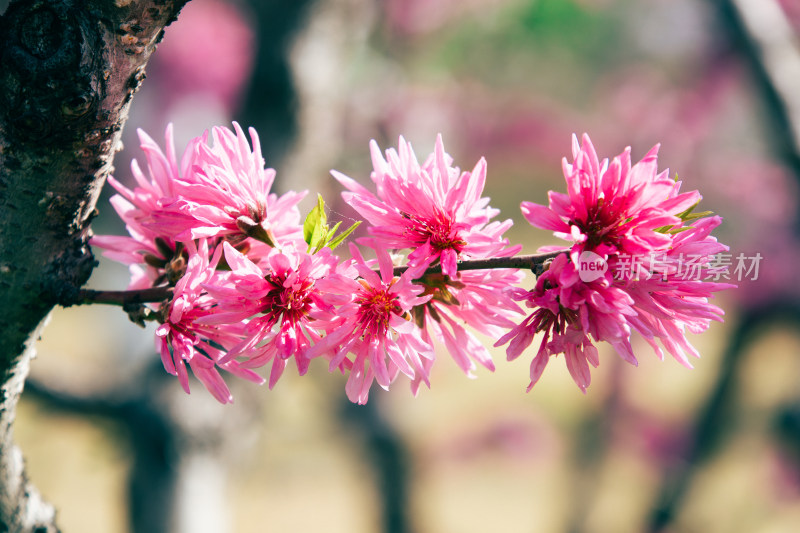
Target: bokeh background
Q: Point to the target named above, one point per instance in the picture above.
(112, 441)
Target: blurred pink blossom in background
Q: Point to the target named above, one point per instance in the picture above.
(209, 53)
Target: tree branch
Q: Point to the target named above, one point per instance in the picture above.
(123, 298)
(763, 29)
(68, 71)
(532, 262)
(713, 420)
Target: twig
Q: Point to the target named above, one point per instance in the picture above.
(714, 416)
(123, 298)
(774, 50)
(533, 262)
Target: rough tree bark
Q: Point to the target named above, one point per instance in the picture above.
(68, 71)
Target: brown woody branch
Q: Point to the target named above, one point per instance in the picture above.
(773, 48)
(533, 262)
(68, 71)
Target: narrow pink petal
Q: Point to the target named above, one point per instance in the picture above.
(538, 365)
(543, 217)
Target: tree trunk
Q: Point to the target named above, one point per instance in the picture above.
(68, 71)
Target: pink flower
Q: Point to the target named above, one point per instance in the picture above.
(432, 208)
(675, 297)
(636, 221)
(480, 299)
(228, 193)
(613, 208)
(280, 298)
(183, 338)
(217, 191)
(568, 312)
(372, 321)
(158, 253)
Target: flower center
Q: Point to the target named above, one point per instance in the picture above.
(439, 231)
(292, 302)
(601, 226)
(377, 305)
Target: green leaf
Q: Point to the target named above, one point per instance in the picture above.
(316, 223)
(342, 236)
(695, 216)
(685, 216)
(316, 232)
(689, 210)
(334, 229)
(674, 231)
(688, 215)
(318, 243)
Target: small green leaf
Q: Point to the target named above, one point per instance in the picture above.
(319, 240)
(685, 216)
(316, 223)
(334, 229)
(689, 210)
(673, 231)
(343, 235)
(695, 216)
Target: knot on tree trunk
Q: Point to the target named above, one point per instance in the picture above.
(48, 70)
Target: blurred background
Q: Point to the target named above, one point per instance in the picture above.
(114, 443)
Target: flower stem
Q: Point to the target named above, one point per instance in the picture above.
(123, 298)
(533, 262)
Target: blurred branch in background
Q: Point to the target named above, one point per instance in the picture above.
(590, 449)
(715, 418)
(761, 30)
(320, 59)
(270, 105)
(323, 58)
(179, 444)
(388, 460)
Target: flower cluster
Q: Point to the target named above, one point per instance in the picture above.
(618, 212)
(437, 212)
(180, 217)
(248, 284)
(244, 282)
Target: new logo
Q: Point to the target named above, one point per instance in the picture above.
(591, 266)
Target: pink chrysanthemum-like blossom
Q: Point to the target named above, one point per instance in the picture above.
(229, 194)
(674, 297)
(567, 311)
(218, 190)
(268, 301)
(478, 299)
(433, 208)
(280, 298)
(158, 253)
(372, 321)
(634, 219)
(184, 339)
(613, 208)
